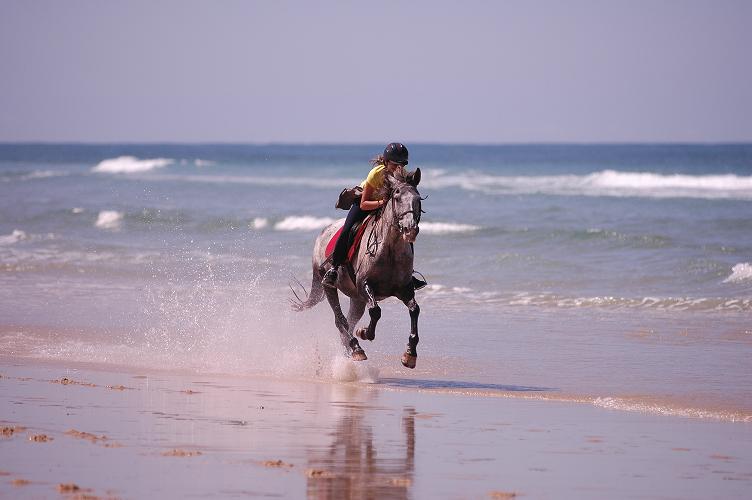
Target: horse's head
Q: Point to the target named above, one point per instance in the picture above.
(404, 199)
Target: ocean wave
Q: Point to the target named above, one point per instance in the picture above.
(130, 164)
(259, 223)
(36, 174)
(659, 303)
(311, 223)
(14, 237)
(447, 228)
(603, 183)
(463, 296)
(109, 219)
(303, 223)
(739, 273)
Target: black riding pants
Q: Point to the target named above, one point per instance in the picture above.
(355, 215)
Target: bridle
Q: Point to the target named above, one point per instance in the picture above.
(372, 244)
(397, 217)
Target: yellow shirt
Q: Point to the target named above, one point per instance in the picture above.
(375, 178)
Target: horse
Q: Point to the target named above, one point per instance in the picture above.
(381, 267)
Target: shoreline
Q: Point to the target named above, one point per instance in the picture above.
(368, 378)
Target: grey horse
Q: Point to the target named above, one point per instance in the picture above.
(382, 267)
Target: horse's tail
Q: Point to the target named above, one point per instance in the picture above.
(311, 299)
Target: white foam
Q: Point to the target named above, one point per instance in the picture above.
(661, 303)
(623, 404)
(77, 210)
(303, 223)
(109, 219)
(130, 164)
(14, 237)
(461, 296)
(259, 223)
(740, 272)
(446, 228)
(204, 163)
(603, 183)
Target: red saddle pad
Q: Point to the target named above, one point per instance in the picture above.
(356, 242)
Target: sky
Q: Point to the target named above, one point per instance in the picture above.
(371, 72)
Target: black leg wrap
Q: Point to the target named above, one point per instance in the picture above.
(412, 345)
(375, 313)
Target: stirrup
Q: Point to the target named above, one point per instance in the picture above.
(419, 283)
(330, 278)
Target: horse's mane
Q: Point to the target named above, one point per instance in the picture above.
(391, 181)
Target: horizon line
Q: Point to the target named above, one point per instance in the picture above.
(358, 143)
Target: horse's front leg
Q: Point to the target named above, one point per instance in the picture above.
(348, 341)
(411, 354)
(357, 308)
(374, 311)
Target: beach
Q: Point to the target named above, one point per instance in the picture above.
(584, 333)
(109, 432)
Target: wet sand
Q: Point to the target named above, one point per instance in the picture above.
(94, 431)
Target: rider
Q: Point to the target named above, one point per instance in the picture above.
(393, 160)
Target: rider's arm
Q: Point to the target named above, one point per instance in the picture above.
(366, 201)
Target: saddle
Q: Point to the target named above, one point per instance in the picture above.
(353, 239)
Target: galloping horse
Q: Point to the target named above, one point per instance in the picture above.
(381, 267)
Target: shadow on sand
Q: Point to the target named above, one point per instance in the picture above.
(458, 385)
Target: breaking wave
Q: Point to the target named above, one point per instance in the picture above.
(312, 223)
(739, 273)
(603, 183)
(109, 219)
(447, 228)
(130, 164)
(14, 237)
(303, 223)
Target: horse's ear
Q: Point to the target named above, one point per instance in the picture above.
(413, 178)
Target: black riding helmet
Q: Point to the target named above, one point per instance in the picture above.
(396, 152)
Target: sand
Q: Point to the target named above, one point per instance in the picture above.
(106, 432)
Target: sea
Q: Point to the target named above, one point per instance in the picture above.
(611, 275)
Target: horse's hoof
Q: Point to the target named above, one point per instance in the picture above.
(408, 361)
(360, 355)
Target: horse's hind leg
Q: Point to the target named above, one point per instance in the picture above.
(374, 311)
(411, 354)
(350, 342)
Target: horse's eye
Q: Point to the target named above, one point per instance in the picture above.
(396, 192)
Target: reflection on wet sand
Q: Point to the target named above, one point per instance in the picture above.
(353, 467)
